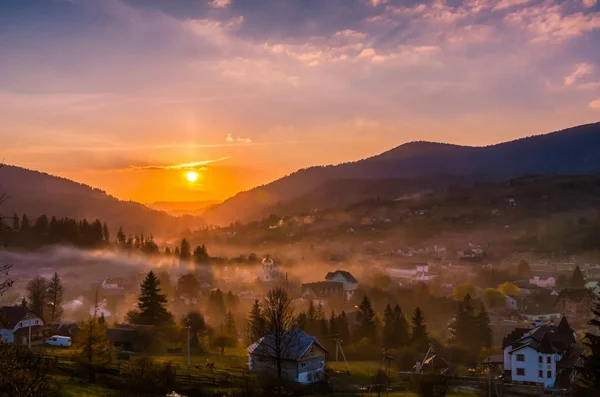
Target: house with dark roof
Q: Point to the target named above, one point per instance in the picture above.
(575, 304)
(540, 353)
(17, 322)
(323, 289)
(303, 357)
(347, 279)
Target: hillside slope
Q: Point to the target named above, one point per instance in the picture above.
(34, 193)
(572, 151)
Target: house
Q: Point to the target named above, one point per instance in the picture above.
(511, 302)
(303, 357)
(539, 353)
(322, 289)
(543, 282)
(131, 338)
(347, 279)
(113, 283)
(575, 304)
(17, 322)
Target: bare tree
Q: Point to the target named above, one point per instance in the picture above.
(55, 298)
(279, 317)
(37, 296)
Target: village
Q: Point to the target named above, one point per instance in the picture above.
(345, 331)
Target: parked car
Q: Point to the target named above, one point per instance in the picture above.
(58, 340)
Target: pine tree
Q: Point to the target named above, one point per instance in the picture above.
(16, 224)
(401, 331)
(420, 337)
(151, 303)
(343, 326)
(105, 233)
(333, 328)
(55, 299)
(121, 238)
(484, 329)
(257, 322)
(201, 256)
(168, 251)
(25, 226)
(230, 324)
(389, 337)
(177, 253)
(577, 280)
(366, 328)
(465, 332)
(185, 252)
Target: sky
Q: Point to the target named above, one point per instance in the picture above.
(131, 95)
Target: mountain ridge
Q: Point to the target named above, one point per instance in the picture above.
(574, 150)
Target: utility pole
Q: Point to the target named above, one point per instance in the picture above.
(188, 345)
(29, 339)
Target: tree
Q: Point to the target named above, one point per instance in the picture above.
(462, 290)
(523, 269)
(366, 325)
(151, 303)
(577, 279)
(420, 336)
(343, 327)
(279, 318)
(197, 325)
(24, 374)
(509, 289)
(121, 238)
(94, 349)
(223, 341)
(37, 296)
(401, 331)
(494, 298)
(465, 328)
(188, 285)
(201, 256)
(388, 327)
(185, 252)
(165, 283)
(257, 322)
(25, 226)
(230, 324)
(588, 376)
(55, 299)
(484, 330)
(105, 233)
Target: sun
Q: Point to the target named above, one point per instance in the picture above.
(192, 176)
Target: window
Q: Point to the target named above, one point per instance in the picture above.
(303, 365)
(521, 371)
(540, 374)
(548, 359)
(549, 374)
(520, 357)
(540, 359)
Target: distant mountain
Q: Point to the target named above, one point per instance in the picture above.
(572, 151)
(35, 193)
(183, 207)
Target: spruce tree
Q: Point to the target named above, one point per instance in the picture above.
(484, 329)
(343, 327)
(577, 280)
(121, 238)
(151, 303)
(366, 327)
(465, 331)
(389, 337)
(420, 336)
(333, 328)
(257, 322)
(230, 324)
(401, 329)
(25, 226)
(55, 299)
(185, 252)
(16, 224)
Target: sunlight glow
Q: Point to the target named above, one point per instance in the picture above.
(192, 176)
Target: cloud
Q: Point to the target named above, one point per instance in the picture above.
(588, 3)
(220, 3)
(375, 3)
(503, 4)
(230, 138)
(581, 70)
(595, 104)
(183, 166)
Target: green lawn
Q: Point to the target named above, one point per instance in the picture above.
(79, 388)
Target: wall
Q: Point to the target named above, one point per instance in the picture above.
(532, 367)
